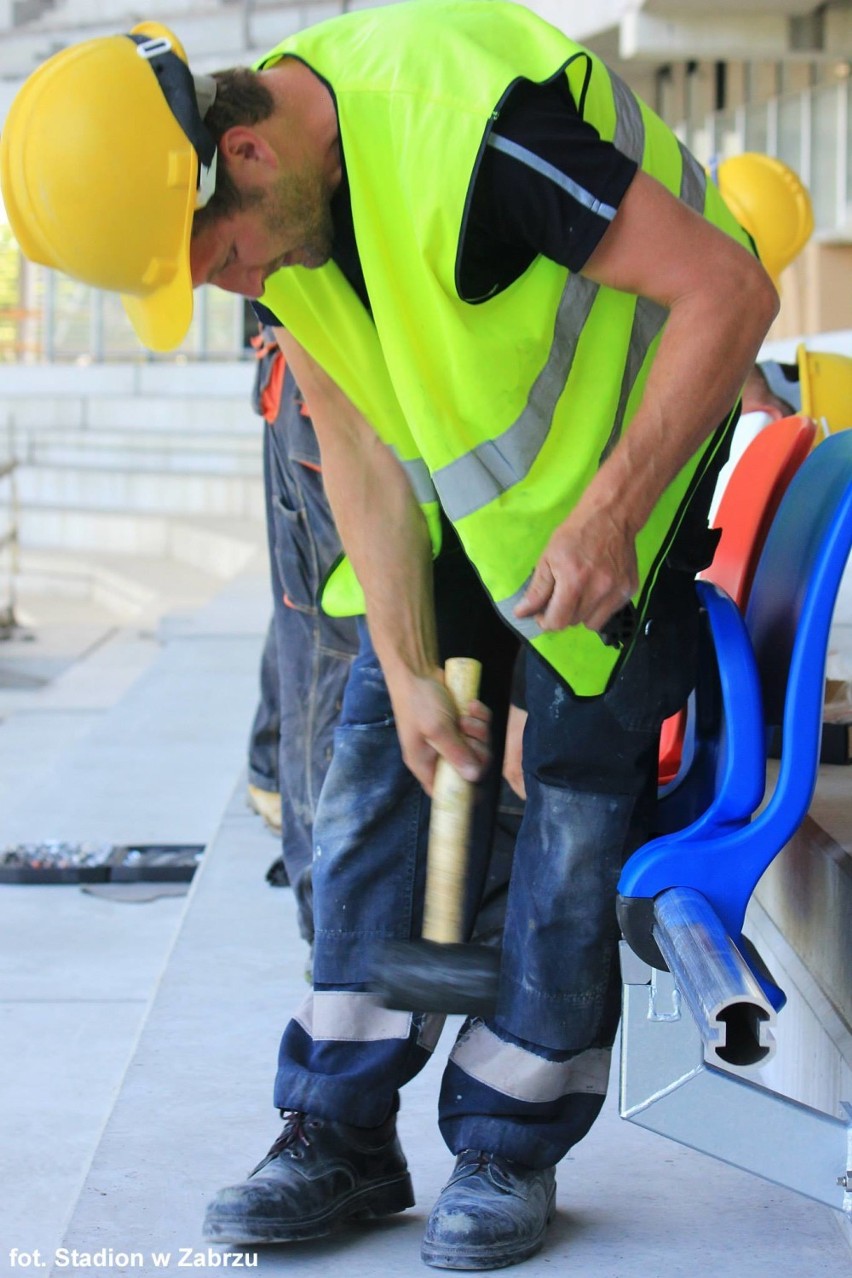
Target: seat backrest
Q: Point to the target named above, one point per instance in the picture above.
(787, 625)
(751, 498)
(746, 510)
(790, 610)
(726, 776)
(793, 588)
(826, 381)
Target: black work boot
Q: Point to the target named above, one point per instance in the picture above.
(491, 1213)
(316, 1175)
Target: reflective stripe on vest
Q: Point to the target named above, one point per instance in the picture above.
(482, 475)
(418, 476)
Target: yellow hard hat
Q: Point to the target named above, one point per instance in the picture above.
(100, 163)
(769, 200)
(826, 382)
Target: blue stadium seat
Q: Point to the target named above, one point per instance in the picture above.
(770, 675)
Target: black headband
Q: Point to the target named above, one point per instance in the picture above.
(178, 89)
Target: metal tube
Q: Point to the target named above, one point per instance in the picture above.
(733, 1014)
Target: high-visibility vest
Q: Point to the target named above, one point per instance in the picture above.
(500, 411)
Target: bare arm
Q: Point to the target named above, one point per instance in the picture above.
(721, 303)
(385, 536)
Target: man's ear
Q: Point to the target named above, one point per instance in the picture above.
(245, 147)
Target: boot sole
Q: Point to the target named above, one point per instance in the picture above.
(487, 1256)
(364, 1204)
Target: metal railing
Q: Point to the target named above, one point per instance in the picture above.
(9, 535)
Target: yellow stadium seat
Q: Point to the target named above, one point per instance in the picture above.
(826, 383)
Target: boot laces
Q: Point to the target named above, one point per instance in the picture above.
(294, 1139)
(473, 1161)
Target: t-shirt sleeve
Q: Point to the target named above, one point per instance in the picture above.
(548, 182)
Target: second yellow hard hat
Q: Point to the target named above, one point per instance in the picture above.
(769, 200)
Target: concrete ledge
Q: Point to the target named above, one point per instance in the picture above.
(126, 586)
(239, 455)
(207, 380)
(146, 491)
(221, 548)
(33, 412)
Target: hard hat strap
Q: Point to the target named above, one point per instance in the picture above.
(178, 88)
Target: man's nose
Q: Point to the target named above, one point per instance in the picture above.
(248, 281)
(254, 281)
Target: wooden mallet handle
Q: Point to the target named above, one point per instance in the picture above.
(449, 824)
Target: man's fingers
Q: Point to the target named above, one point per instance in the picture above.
(429, 729)
(578, 599)
(567, 603)
(423, 764)
(538, 592)
(475, 724)
(424, 760)
(468, 758)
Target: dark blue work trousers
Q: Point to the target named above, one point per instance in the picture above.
(529, 1084)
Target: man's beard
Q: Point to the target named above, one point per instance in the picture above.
(298, 213)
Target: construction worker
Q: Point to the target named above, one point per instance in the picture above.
(522, 317)
(302, 681)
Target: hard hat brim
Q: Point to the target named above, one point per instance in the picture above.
(161, 320)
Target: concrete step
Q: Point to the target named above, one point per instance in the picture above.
(150, 491)
(221, 547)
(205, 416)
(117, 450)
(201, 382)
(201, 399)
(127, 587)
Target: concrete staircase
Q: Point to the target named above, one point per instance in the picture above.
(136, 486)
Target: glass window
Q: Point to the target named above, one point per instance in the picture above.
(790, 131)
(825, 123)
(728, 137)
(757, 127)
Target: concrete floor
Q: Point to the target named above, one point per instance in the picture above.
(139, 1039)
